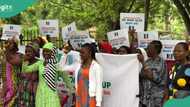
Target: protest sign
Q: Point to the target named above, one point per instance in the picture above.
(118, 38)
(10, 30)
(67, 29)
(49, 27)
(77, 39)
(144, 38)
(132, 21)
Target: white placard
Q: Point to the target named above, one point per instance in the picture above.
(132, 21)
(168, 48)
(11, 30)
(77, 39)
(67, 29)
(144, 38)
(49, 27)
(118, 38)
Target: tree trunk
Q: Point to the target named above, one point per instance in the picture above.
(146, 9)
(187, 5)
(184, 14)
(167, 18)
(167, 22)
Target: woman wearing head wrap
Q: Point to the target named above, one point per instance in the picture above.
(47, 95)
(142, 56)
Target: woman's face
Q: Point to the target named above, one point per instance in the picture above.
(114, 51)
(47, 53)
(140, 55)
(180, 53)
(84, 53)
(151, 51)
(14, 59)
(29, 53)
(122, 51)
(138, 51)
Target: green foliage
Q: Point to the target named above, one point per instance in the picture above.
(103, 14)
(165, 17)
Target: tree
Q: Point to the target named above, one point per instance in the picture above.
(183, 7)
(147, 9)
(162, 15)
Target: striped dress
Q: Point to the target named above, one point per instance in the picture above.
(45, 96)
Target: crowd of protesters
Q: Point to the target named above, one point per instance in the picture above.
(31, 77)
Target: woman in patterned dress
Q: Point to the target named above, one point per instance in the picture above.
(26, 81)
(28, 77)
(179, 83)
(153, 77)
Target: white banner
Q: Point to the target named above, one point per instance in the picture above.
(49, 27)
(132, 21)
(144, 38)
(168, 48)
(118, 38)
(67, 29)
(77, 39)
(11, 30)
(121, 80)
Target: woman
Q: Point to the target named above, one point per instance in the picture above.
(153, 77)
(114, 50)
(142, 55)
(25, 82)
(47, 95)
(10, 86)
(13, 66)
(28, 78)
(179, 79)
(124, 50)
(88, 79)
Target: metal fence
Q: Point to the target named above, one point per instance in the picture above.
(29, 35)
